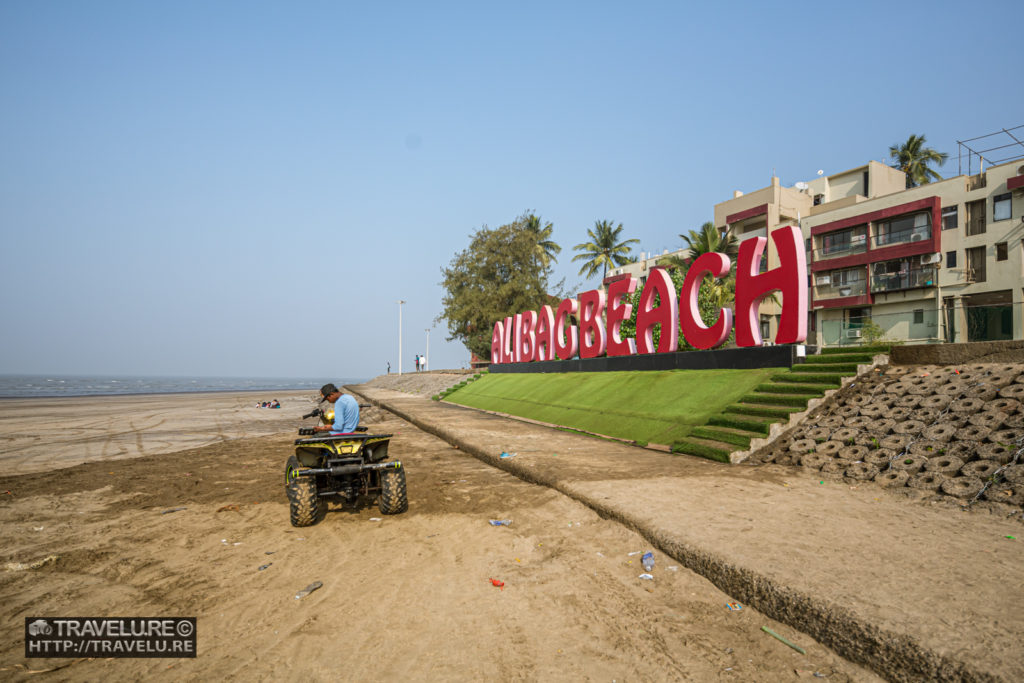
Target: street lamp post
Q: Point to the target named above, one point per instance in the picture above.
(400, 302)
(426, 358)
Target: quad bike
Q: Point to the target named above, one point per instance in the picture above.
(346, 466)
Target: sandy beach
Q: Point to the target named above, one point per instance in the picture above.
(403, 597)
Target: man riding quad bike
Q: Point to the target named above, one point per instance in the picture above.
(332, 463)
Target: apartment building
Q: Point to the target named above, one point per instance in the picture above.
(940, 262)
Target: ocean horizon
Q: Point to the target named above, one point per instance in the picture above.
(56, 385)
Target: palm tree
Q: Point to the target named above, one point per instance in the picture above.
(604, 249)
(913, 158)
(707, 239)
(546, 247)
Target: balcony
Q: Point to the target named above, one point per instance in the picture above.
(924, 276)
(855, 288)
(844, 249)
(915, 234)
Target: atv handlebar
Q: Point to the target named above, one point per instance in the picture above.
(316, 412)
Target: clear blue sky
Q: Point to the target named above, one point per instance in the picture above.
(246, 188)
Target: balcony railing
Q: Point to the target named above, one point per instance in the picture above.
(856, 288)
(918, 234)
(891, 282)
(853, 247)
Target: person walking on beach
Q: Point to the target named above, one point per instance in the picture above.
(346, 411)
(389, 367)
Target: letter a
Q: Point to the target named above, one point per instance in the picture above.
(790, 277)
(497, 337)
(545, 345)
(665, 314)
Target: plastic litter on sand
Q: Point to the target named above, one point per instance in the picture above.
(501, 522)
(498, 584)
(508, 455)
(308, 589)
(647, 577)
(734, 606)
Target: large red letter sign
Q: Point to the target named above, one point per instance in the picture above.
(507, 346)
(566, 348)
(527, 337)
(694, 331)
(619, 309)
(545, 346)
(496, 342)
(790, 277)
(666, 314)
(592, 338)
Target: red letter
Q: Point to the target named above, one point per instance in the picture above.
(565, 349)
(619, 309)
(790, 277)
(592, 339)
(517, 328)
(496, 343)
(506, 341)
(666, 314)
(527, 336)
(545, 346)
(696, 333)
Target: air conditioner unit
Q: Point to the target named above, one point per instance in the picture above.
(928, 259)
(823, 280)
(853, 334)
(916, 237)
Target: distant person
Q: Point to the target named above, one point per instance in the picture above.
(346, 411)
(389, 367)
(275, 404)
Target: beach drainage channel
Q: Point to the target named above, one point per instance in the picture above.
(895, 656)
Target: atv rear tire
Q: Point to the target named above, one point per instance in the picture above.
(394, 498)
(303, 501)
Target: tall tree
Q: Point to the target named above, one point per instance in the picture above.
(913, 158)
(546, 247)
(604, 249)
(706, 240)
(499, 274)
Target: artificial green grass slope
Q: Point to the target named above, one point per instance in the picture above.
(651, 406)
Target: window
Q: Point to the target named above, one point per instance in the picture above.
(1001, 207)
(976, 264)
(818, 199)
(951, 259)
(914, 227)
(976, 217)
(889, 276)
(1001, 251)
(949, 218)
(842, 242)
(918, 316)
(866, 194)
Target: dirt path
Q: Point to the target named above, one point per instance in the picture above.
(405, 597)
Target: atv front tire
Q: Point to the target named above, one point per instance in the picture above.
(394, 498)
(303, 501)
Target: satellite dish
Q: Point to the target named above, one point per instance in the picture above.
(801, 186)
(821, 172)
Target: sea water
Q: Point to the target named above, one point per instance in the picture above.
(30, 386)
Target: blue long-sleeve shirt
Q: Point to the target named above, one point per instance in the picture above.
(346, 415)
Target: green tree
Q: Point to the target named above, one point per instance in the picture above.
(708, 240)
(499, 274)
(546, 247)
(913, 158)
(604, 249)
